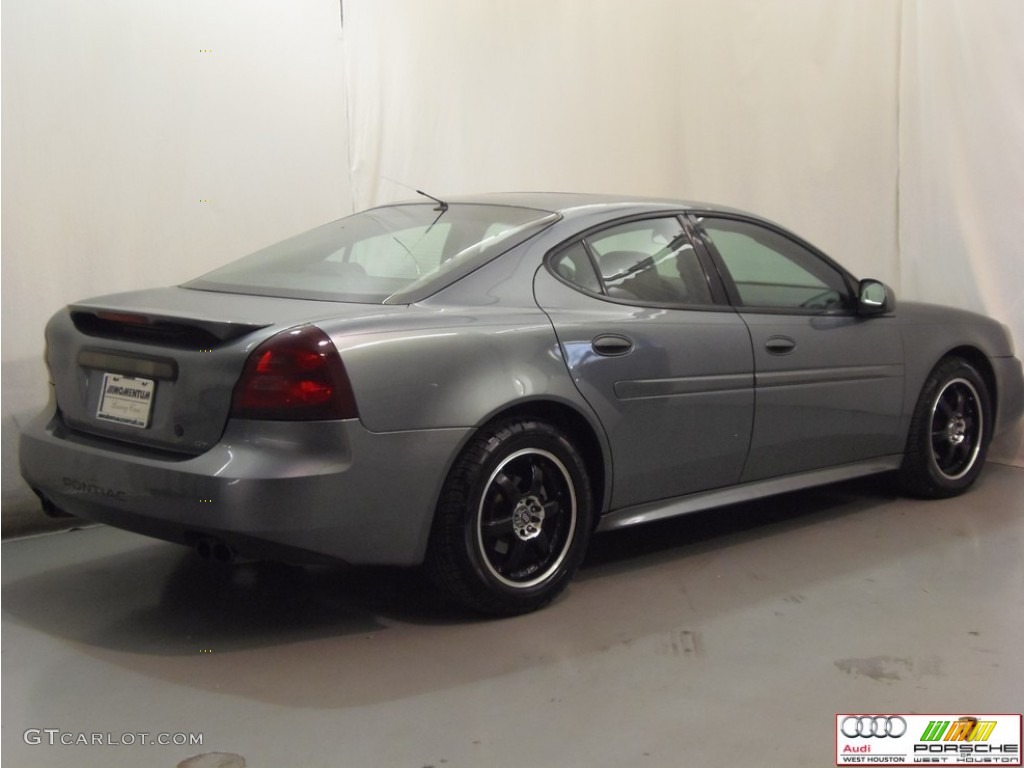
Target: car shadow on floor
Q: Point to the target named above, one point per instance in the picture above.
(333, 637)
(159, 598)
(162, 598)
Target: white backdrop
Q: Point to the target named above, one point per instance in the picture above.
(786, 107)
(886, 132)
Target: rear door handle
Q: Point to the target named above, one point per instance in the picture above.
(612, 345)
(780, 345)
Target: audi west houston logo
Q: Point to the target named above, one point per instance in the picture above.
(873, 726)
(906, 739)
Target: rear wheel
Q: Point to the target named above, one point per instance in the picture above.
(514, 519)
(949, 432)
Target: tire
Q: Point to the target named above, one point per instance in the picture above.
(513, 521)
(949, 432)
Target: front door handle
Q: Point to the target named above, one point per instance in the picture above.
(780, 345)
(612, 345)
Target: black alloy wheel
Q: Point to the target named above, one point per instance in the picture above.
(949, 432)
(514, 519)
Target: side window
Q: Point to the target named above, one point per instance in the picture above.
(650, 261)
(770, 270)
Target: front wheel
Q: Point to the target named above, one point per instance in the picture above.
(514, 519)
(949, 432)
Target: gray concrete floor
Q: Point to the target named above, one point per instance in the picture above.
(724, 638)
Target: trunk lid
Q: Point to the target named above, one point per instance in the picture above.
(157, 368)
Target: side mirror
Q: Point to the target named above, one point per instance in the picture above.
(874, 298)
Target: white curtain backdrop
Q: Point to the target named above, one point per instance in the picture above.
(144, 143)
(787, 107)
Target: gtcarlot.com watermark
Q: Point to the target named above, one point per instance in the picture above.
(58, 737)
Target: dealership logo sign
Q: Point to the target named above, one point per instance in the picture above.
(964, 729)
(903, 739)
(873, 726)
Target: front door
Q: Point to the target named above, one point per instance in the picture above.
(829, 383)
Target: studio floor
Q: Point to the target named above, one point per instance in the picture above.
(725, 638)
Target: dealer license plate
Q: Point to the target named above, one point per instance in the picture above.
(126, 400)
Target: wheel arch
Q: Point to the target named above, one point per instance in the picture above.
(979, 360)
(581, 430)
(946, 461)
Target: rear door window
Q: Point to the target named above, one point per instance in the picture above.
(649, 261)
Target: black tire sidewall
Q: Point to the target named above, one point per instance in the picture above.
(460, 510)
(920, 472)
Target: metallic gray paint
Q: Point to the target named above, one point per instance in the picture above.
(671, 409)
(318, 487)
(666, 394)
(646, 513)
(930, 332)
(834, 399)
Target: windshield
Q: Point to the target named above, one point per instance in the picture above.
(393, 254)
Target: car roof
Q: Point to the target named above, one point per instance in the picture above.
(566, 203)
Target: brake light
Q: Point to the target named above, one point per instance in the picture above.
(126, 318)
(296, 375)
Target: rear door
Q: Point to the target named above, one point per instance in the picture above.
(829, 383)
(654, 348)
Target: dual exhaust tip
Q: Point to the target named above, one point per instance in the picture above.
(214, 550)
(208, 548)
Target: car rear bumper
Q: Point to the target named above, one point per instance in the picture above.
(297, 491)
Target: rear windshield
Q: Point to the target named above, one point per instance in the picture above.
(393, 254)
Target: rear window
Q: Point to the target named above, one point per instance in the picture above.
(394, 254)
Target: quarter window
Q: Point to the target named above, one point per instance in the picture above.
(573, 264)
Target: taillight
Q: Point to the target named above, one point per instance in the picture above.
(296, 375)
(125, 318)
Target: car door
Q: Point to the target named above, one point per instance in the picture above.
(654, 348)
(829, 382)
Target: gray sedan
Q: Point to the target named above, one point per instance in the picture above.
(477, 385)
